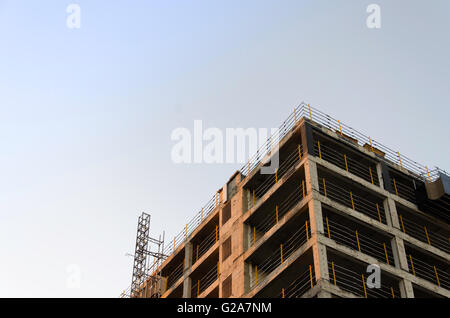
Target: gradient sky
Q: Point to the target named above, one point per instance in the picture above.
(86, 115)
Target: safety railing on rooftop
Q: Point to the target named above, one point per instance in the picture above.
(430, 272)
(305, 110)
(192, 225)
(281, 255)
(355, 283)
(352, 238)
(422, 233)
(372, 208)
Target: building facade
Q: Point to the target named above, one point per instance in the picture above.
(337, 204)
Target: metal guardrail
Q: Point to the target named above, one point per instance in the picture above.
(355, 283)
(203, 283)
(354, 239)
(424, 234)
(300, 285)
(431, 273)
(346, 162)
(346, 197)
(315, 115)
(271, 219)
(281, 255)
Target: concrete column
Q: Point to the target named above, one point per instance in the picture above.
(406, 289)
(380, 175)
(187, 286)
(316, 223)
(311, 176)
(315, 217)
(188, 250)
(307, 139)
(400, 258)
(391, 213)
(320, 262)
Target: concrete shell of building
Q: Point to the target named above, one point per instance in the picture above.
(336, 206)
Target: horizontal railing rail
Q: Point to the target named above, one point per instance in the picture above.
(423, 233)
(278, 257)
(346, 162)
(203, 283)
(373, 209)
(351, 237)
(290, 161)
(271, 219)
(432, 273)
(300, 285)
(355, 283)
(204, 246)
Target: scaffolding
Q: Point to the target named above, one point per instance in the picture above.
(146, 277)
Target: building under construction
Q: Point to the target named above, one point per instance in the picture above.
(337, 203)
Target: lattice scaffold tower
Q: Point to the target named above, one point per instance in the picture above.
(144, 278)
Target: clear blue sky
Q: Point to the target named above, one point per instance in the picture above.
(86, 115)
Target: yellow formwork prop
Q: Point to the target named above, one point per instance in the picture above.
(303, 187)
(320, 152)
(281, 253)
(364, 285)
(378, 210)
(426, 234)
(334, 274)
(371, 177)
(357, 240)
(401, 222)
(395, 186)
(437, 277)
(307, 234)
(412, 264)
(385, 253)
(328, 228)
(399, 159)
